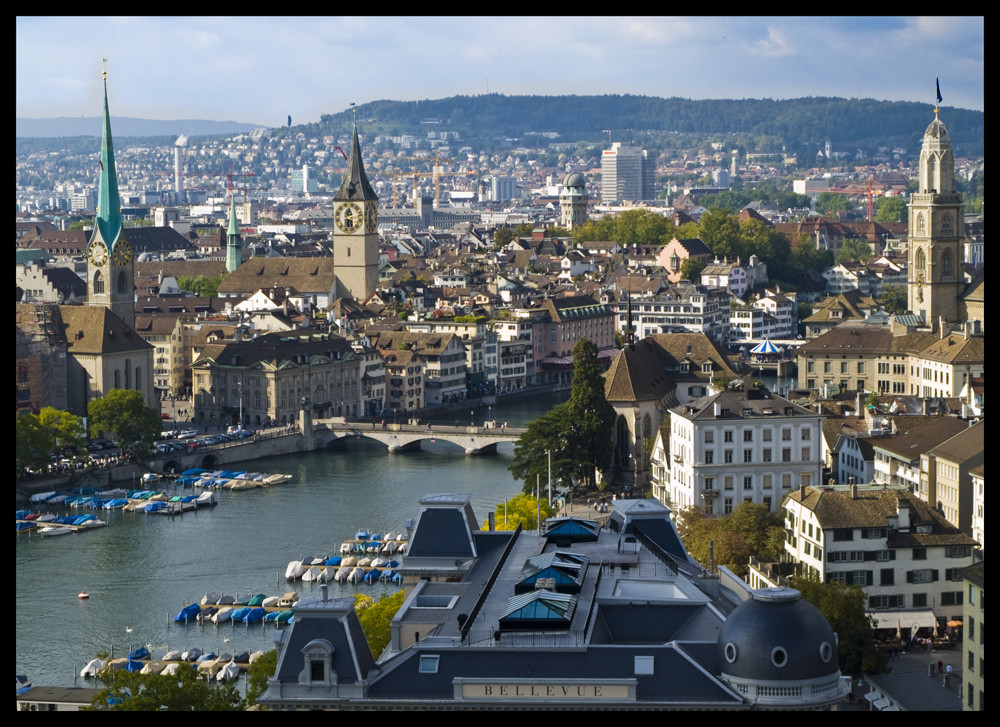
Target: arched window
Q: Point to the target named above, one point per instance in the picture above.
(98, 282)
(118, 379)
(138, 379)
(128, 374)
(121, 283)
(920, 262)
(946, 224)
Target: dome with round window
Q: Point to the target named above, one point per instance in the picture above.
(779, 650)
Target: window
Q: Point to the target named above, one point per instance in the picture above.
(748, 482)
(919, 600)
(887, 577)
(842, 534)
(709, 456)
(748, 435)
(806, 435)
(767, 435)
(317, 670)
(786, 454)
(805, 454)
(786, 435)
(767, 455)
(767, 481)
(747, 456)
(729, 482)
(727, 456)
(951, 598)
(924, 575)
(429, 664)
(728, 508)
(709, 436)
(920, 554)
(727, 436)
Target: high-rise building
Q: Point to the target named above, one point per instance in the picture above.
(627, 173)
(503, 188)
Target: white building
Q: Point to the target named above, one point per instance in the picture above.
(903, 553)
(741, 445)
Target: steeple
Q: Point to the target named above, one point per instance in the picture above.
(109, 211)
(234, 241)
(355, 187)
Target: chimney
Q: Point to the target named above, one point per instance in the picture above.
(903, 515)
(943, 325)
(324, 592)
(854, 489)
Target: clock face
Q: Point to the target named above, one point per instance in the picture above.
(371, 218)
(98, 253)
(123, 253)
(349, 217)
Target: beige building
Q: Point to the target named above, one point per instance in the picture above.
(945, 474)
(974, 639)
(271, 376)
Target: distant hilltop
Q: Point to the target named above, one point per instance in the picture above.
(125, 126)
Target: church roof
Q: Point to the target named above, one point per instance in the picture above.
(109, 211)
(94, 329)
(355, 187)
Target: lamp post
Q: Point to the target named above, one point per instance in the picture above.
(472, 420)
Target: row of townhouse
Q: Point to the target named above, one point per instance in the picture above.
(901, 551)
(886, 355)
(869, 278)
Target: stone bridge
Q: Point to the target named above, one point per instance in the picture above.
(407, 437)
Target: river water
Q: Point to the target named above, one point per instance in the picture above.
(142, 569)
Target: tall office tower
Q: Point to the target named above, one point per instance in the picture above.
(627, 174)
(502, 189)
(936, 231)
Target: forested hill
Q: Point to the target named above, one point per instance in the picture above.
(800, 123)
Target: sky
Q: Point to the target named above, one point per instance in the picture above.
(262, 70)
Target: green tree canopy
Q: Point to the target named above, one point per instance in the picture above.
(830, 203)
(66, 430)
(502, 237)
(375, 616)
(750, 530)
(183, 691)
(32, 443)
(854, 249)
(895, 298)
(125, 416)
(577, 432)
(890, 209)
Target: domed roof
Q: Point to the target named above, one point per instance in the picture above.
(937, 130)
(777, 636)
(575, 179)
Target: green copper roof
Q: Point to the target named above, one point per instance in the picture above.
(234, 229)
(355, 187)
(109, 211)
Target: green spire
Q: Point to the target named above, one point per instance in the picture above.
(234, 229)
(109, 211)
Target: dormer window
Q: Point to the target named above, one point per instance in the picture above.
(706, 367)
(317, 668)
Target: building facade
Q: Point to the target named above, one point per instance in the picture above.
(744, 444)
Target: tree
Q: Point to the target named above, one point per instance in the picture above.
(577, 432)
(854, 249)
(32, 443)
(376, 618)
(691, 269)
(890, 209)
(720, 231)
(522, 509)
(830, 203)
(65, 429)
(844, 608)
(592, 418)
(183, 691)
(262, 669)
(750, 530)
(502, 237)
(895, 299)
(126, 417)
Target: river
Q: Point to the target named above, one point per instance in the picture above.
(142, 569)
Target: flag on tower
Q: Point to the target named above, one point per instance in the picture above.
(936, 81)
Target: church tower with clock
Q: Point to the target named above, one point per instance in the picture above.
(355, 236)
(110, 266)
(936, 230)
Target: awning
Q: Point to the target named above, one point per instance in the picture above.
(906, 619)
(765, 346)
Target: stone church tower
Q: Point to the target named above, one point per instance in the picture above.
(936, 229)
(355, 235)
(110, 265)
